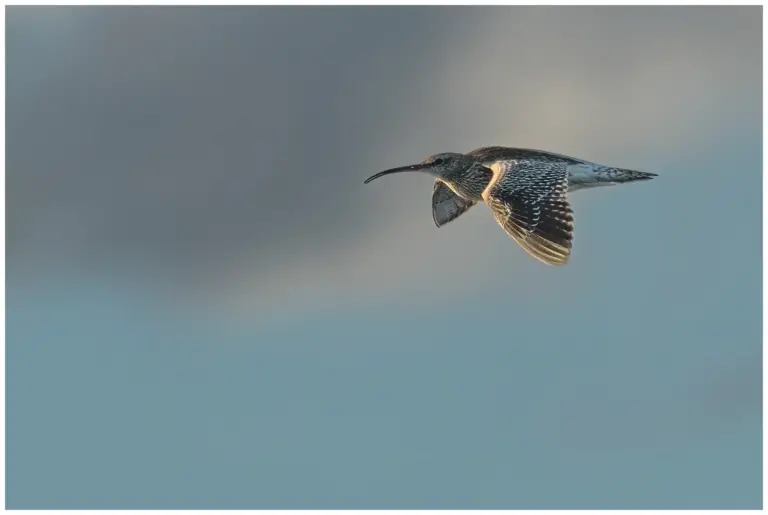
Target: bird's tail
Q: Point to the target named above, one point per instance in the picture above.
(620, 175)
(590, 175)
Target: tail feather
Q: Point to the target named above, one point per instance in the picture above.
(589, 176)
(619, 175)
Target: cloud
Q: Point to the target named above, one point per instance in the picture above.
(227, 148)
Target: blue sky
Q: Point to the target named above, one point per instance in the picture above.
(207, 309)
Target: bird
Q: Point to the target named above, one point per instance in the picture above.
(526, 190)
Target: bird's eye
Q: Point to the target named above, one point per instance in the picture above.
(438, 161)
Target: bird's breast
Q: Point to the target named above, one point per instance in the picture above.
(461, 189)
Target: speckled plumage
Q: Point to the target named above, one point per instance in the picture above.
(528, 199)
(526, 190)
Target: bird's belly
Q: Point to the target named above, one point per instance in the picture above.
(576, 186)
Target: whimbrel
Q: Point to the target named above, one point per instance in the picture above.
(526, 190)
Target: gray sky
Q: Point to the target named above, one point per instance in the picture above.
(207, 308)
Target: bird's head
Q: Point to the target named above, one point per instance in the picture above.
(447, 166)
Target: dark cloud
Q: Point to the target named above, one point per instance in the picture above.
(232, 142)
(188, 134)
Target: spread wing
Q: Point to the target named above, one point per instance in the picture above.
(529, 201)
(446, 205)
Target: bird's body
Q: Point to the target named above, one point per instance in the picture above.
(526, 190)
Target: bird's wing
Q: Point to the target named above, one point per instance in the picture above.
(528, 200)
(447, 205)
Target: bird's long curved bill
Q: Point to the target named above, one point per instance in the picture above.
(411, 168)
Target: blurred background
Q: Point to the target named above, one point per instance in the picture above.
(207, 309)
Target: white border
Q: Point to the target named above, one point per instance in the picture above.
(390, 2)
(2, 273)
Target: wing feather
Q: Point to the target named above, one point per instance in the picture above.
(447, 205)
(529, 201)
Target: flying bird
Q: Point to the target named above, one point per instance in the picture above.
(527, 191)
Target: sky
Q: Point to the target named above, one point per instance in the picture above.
(206, 308)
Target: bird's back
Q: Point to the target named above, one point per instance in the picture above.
(489, 155)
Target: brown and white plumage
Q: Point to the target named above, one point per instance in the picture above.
(525, 189)
(530, 204)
